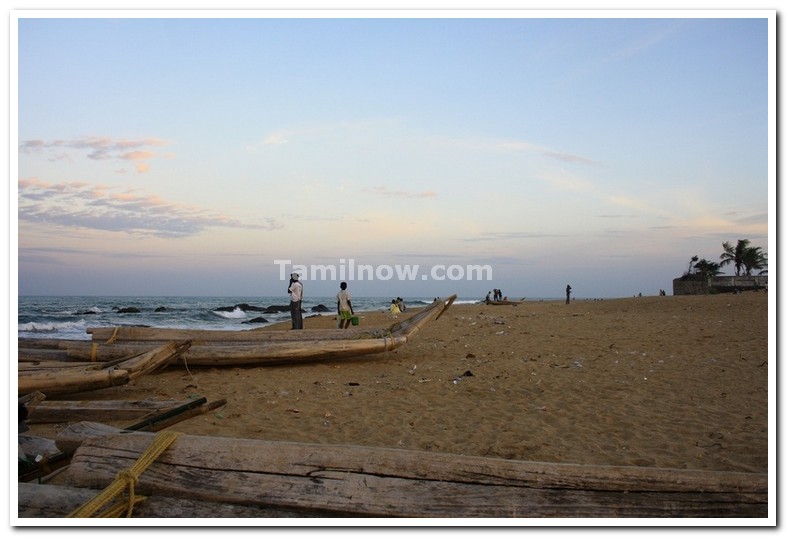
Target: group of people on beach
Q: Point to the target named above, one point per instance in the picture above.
(397, 306)
(497, 295)
(344, 306)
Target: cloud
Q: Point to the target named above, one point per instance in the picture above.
(617, 216)
(627, 201)
(383, 191)
(566, 157)
(509, 235)
(98, 207)
(563, 180)
(53, 255)
(97, 148)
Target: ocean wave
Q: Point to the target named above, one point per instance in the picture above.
(52, 327)
(237, 313)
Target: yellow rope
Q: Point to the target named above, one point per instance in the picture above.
(126, 478)
(93, 350)
(114, 335)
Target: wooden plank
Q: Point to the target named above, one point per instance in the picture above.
(52, 501)
(389, 482)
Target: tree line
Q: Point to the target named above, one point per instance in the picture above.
(743, 256)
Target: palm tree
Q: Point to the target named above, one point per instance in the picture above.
(705, 269)
(694, 259)
(735, 254)
(754, 259)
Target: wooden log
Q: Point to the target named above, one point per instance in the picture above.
(59, 382)
(53, 501)
(70, 411)
(152, 360)
(74, 379)
(33, 446)
(32, 398)
(389, 482)
(37, 355)
(241, 353)
(147, 423)
(132, 334)
(70, 438)
(39, 343)
(168, 421)
(40, 366)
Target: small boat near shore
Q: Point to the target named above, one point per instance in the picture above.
(239, 348)
(504, 302)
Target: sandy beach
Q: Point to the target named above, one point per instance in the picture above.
(674, 382)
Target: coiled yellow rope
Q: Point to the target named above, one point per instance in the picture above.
(126, 478)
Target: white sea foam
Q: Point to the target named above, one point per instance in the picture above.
(52, 327)
(237, 313)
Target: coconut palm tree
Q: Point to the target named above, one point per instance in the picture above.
(705, 269)
(734, 254)
(754, 259)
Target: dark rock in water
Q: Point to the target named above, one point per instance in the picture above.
(320, 308)
(86, 313)
(160, 309)
(242, 307)
(256, 320)
(247, 307)
(277, 309)
(128, 310)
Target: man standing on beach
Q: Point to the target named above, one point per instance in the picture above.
(296, 296)
(568, 293)
(345, 306)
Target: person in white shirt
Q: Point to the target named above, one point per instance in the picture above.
(296, 297)
(345, 306)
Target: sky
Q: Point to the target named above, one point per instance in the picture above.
(212, 155)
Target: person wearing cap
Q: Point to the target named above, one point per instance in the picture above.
(296, 297)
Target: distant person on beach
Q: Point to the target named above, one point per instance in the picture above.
(487, 296)
(568, 293)
(345, 306)
(400, 304)
(296, 297)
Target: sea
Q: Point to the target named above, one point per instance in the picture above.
(69, 317)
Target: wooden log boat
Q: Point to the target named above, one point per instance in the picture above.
(51, 378)
(258, 346)
(504, 302)
(383, 482)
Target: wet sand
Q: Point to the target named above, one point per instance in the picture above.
(675, 382)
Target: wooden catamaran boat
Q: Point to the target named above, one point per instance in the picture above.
(249, 347)
(57, 378)
(504, 302)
